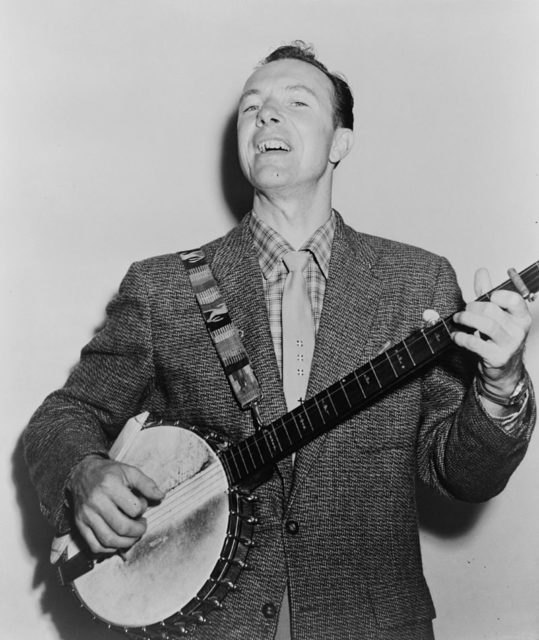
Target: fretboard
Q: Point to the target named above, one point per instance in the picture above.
(350, 394)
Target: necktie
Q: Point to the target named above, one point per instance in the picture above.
(298, 329)
(298, 346)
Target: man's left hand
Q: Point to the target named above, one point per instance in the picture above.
(501, 326)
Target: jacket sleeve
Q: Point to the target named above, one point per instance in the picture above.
(462, 451)
(104, 389)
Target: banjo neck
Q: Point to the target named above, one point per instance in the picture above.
(328, 408)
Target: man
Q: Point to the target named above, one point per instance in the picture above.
(337, 549)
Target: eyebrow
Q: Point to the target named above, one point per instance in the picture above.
(301, 87)
(246, 94)
(290, 87)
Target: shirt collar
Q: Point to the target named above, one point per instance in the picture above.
(270, 246)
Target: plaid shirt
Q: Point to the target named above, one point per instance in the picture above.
(270, 248)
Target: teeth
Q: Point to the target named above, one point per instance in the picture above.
(272, 145)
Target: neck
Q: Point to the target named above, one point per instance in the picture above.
(295, 219)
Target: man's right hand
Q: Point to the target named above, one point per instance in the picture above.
(109, 499)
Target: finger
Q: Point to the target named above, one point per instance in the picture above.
(106, 512)
(131, 504)
(519, 284)
(482, 282)
(94, 545)
(511, 302)
(488, 352)
(506, 308)
(113, 530)
(139, 481)
(491, 322)
(101, 538)
(473, 342)
(123, 526)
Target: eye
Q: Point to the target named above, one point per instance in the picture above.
(250, 107)
(299, 103)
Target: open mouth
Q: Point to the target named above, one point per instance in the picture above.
(272, 145)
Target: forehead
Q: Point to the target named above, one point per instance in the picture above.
(290, 74)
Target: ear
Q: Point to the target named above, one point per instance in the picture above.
(343, 140)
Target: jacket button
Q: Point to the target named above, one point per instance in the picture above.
(292, 527)
(269, 610)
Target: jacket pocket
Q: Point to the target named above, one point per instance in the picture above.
(402, 603)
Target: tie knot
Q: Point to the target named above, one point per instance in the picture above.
(296, 260)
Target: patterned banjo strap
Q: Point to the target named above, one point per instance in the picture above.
(223, 332)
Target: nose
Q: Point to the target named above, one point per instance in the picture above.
(268, 114)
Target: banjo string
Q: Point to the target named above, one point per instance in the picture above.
(208, 483)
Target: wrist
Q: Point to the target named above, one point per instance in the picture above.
(81, 467)
(511, 395)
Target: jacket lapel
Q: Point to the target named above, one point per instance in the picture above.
(238, 274)
(350, 304)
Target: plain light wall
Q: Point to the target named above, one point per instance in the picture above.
(117, 143)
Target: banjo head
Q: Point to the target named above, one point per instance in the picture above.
(172, 562)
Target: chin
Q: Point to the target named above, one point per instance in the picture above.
(270, 177)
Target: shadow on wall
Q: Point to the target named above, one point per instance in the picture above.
(444, 517)
(72, 622)
(237, 192)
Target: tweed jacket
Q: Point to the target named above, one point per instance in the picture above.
(352, 560)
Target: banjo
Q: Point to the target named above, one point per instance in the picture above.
(198, 538)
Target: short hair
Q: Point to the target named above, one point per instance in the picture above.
(343, 100)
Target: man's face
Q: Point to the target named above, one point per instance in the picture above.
(286, 136)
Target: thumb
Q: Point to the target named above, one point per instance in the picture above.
(142, 483)
(482, 282)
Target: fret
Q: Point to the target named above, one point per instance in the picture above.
(301, 416)
(269, 445)
(263, 444)
(309, 414)
(328, 395)
(343, 387)
(369, 383)
(273, 439)
(291, 415)
(386, 354)
(245, 467)
(233, 459)
(375, 376)
(409, 352)
(383, 370)
(277, 440)
(254, 451)
(338, 399)
(359, 384)
(246, 445)
(283, 428)
(427, 341)
(401, 363)
(255, 440)
(446, 327)
(277, 429)
(440, 337)
(420, 347)
(230, 457)
(322, 417)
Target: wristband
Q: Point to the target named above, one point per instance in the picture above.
(514, 401)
